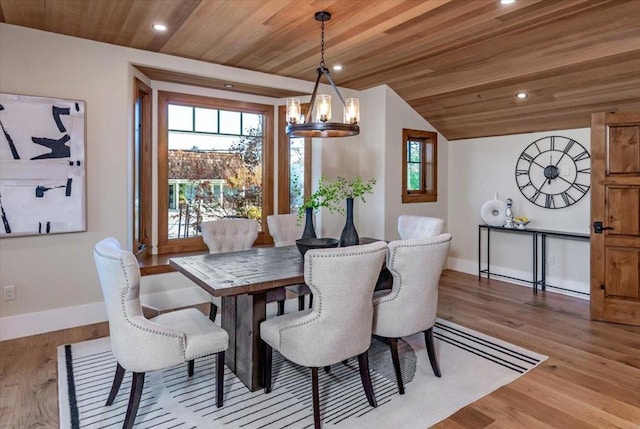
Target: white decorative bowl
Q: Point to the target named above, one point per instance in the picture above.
(494, 212)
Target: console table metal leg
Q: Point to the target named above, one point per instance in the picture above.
(479, 253)
(488, 253)
(535, 263)
(544, 262)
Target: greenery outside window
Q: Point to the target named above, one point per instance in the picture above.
(214, 161)
(419, 166)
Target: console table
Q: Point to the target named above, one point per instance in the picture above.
(534, 233)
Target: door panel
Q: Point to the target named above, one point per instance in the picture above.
(624, 222)
(624, 156)
(615, 201)
(621, 273)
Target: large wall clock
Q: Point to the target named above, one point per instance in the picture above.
(554, 172)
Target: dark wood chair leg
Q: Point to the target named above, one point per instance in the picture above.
(219, 378)
(396, 363)
(280, 307)
(310, 300)
(190, 367)
(213, 312)
(316, 398)
(117, 381)
(301, 303)
(134, 399)
(363, 364)
(431, 350)
(268, 352)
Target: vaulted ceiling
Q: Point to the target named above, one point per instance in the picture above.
(456, 62)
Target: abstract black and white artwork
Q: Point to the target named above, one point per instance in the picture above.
(42, 171)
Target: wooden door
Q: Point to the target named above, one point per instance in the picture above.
(615, 202)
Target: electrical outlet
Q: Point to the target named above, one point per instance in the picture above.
(550, 259)
(9, 293)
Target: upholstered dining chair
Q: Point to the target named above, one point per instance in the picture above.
(285, 230)
(234, 235)
(414, 227)
(411, 304)
(338, 326)
(141, 345)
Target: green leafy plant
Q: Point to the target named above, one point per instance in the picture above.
(331, 193)
(355, 188)
(328, 194)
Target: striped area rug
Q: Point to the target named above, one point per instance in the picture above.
(472, 365)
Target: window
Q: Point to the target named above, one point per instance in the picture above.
(294, 165)
(419, 166)
(142, 169)
(214, 161)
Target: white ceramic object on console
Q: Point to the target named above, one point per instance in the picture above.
(494, 212)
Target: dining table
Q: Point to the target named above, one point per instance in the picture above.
(242, 279)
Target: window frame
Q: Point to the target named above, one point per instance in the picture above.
(284, 159)
(141, 244)
(422, 195)
(175, 245)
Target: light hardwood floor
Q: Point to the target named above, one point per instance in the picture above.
(591, 379)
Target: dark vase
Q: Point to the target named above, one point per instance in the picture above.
(349, 236)
(309, 229)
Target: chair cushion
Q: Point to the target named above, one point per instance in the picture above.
(379, 294)
(203, 337)
(270, 329)
(416, 227)
(299, 289)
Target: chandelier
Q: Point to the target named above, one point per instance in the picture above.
(323, 127)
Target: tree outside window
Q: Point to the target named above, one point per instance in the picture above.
(214, 151)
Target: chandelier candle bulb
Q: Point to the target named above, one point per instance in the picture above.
(323, 114)
(321, 104)
(352, 111)
(293, 110)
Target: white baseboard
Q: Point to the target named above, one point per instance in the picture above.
(24, 325)
(471, 267)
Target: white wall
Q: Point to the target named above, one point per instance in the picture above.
(380, 156)
(57, 286)
(478, 168)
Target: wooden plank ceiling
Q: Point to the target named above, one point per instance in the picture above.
(456, 62)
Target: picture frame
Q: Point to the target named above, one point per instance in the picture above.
(42, 165)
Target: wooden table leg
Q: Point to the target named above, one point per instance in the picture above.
(241, 318)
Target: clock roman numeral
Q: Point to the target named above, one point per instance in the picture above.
(585, 170)
(522, 172)
(568, 146)
(568, 199)
(553, 143)
(580, 187)
(537, 147)
(526, 157)
(581, 156)
(525, 185)
(535, 196)
(549, 202)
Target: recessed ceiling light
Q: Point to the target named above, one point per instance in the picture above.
(337, 67)
(507, 1)
(159, 27)
(522, 95)
(228, 85)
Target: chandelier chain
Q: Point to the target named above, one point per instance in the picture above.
(322, 45)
